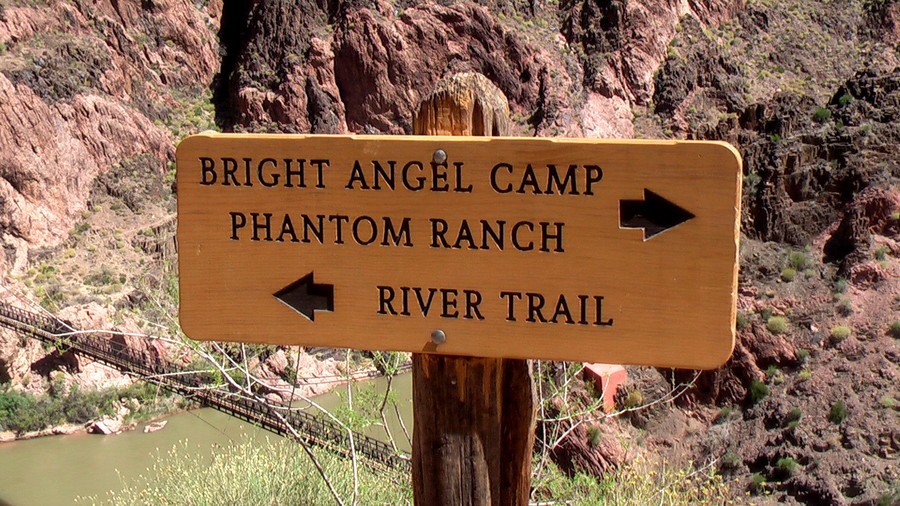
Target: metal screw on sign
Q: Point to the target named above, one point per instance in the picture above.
(438, 336)
(440, 156)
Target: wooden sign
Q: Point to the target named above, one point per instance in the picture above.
(565, 249)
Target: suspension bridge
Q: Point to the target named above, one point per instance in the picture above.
(307, 428)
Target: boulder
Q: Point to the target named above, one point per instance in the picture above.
(106, 426)
(155, 426)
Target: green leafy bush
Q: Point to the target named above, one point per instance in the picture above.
(731, 461)
(788, 274)
(792, 417)
(758, 391)
(838, 412)
(802, 355)
(723, 414)
(741, 321)
(894, 329)
(798, 261)
(821, 115)
(804, 375)
(787, 467)
(773, 375)
(757, 482)
(840, 286)
(82, 407)
(23, 412)
(13, 405)
(777, 325)
(840, 332)
(634, 399)
(106, 276)
(844, 306)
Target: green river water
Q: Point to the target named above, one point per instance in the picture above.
(55, 470)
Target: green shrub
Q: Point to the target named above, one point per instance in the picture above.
(751, 181)
(890, 498)
(840, 286)
(22, 412)
(634, 399)
(881, 253)
(741, 321)
(840, 332)
(886, 401)
(821, 115)
(102, 278)
(894, 329)
(81, 407)
(844, 306)
(12, 406)
(723, 414)
(777, 325)
(845, 99)
(787, 467)
(757, 482)
(731, 461)
(774, 375)
(802, 355)
(793, 416)
(758, 391)
(838, 412)
(81, 228)
(804, 375)
(788, 274)
(798, 260)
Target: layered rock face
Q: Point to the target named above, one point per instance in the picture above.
(82, 88)
(570, 70)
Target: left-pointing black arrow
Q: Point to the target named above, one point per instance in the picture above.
(306, 297)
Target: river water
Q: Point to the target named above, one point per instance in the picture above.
(55, 470)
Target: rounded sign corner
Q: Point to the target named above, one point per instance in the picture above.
(718, 360)
(732, 150)
(188, 142)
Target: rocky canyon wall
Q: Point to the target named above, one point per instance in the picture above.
(85, 86)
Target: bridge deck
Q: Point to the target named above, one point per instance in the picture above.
(308, 428)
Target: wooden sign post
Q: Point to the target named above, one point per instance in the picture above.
(473, 429)
(465, 244)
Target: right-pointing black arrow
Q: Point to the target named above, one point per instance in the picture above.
(654, 214)
(306, 297)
